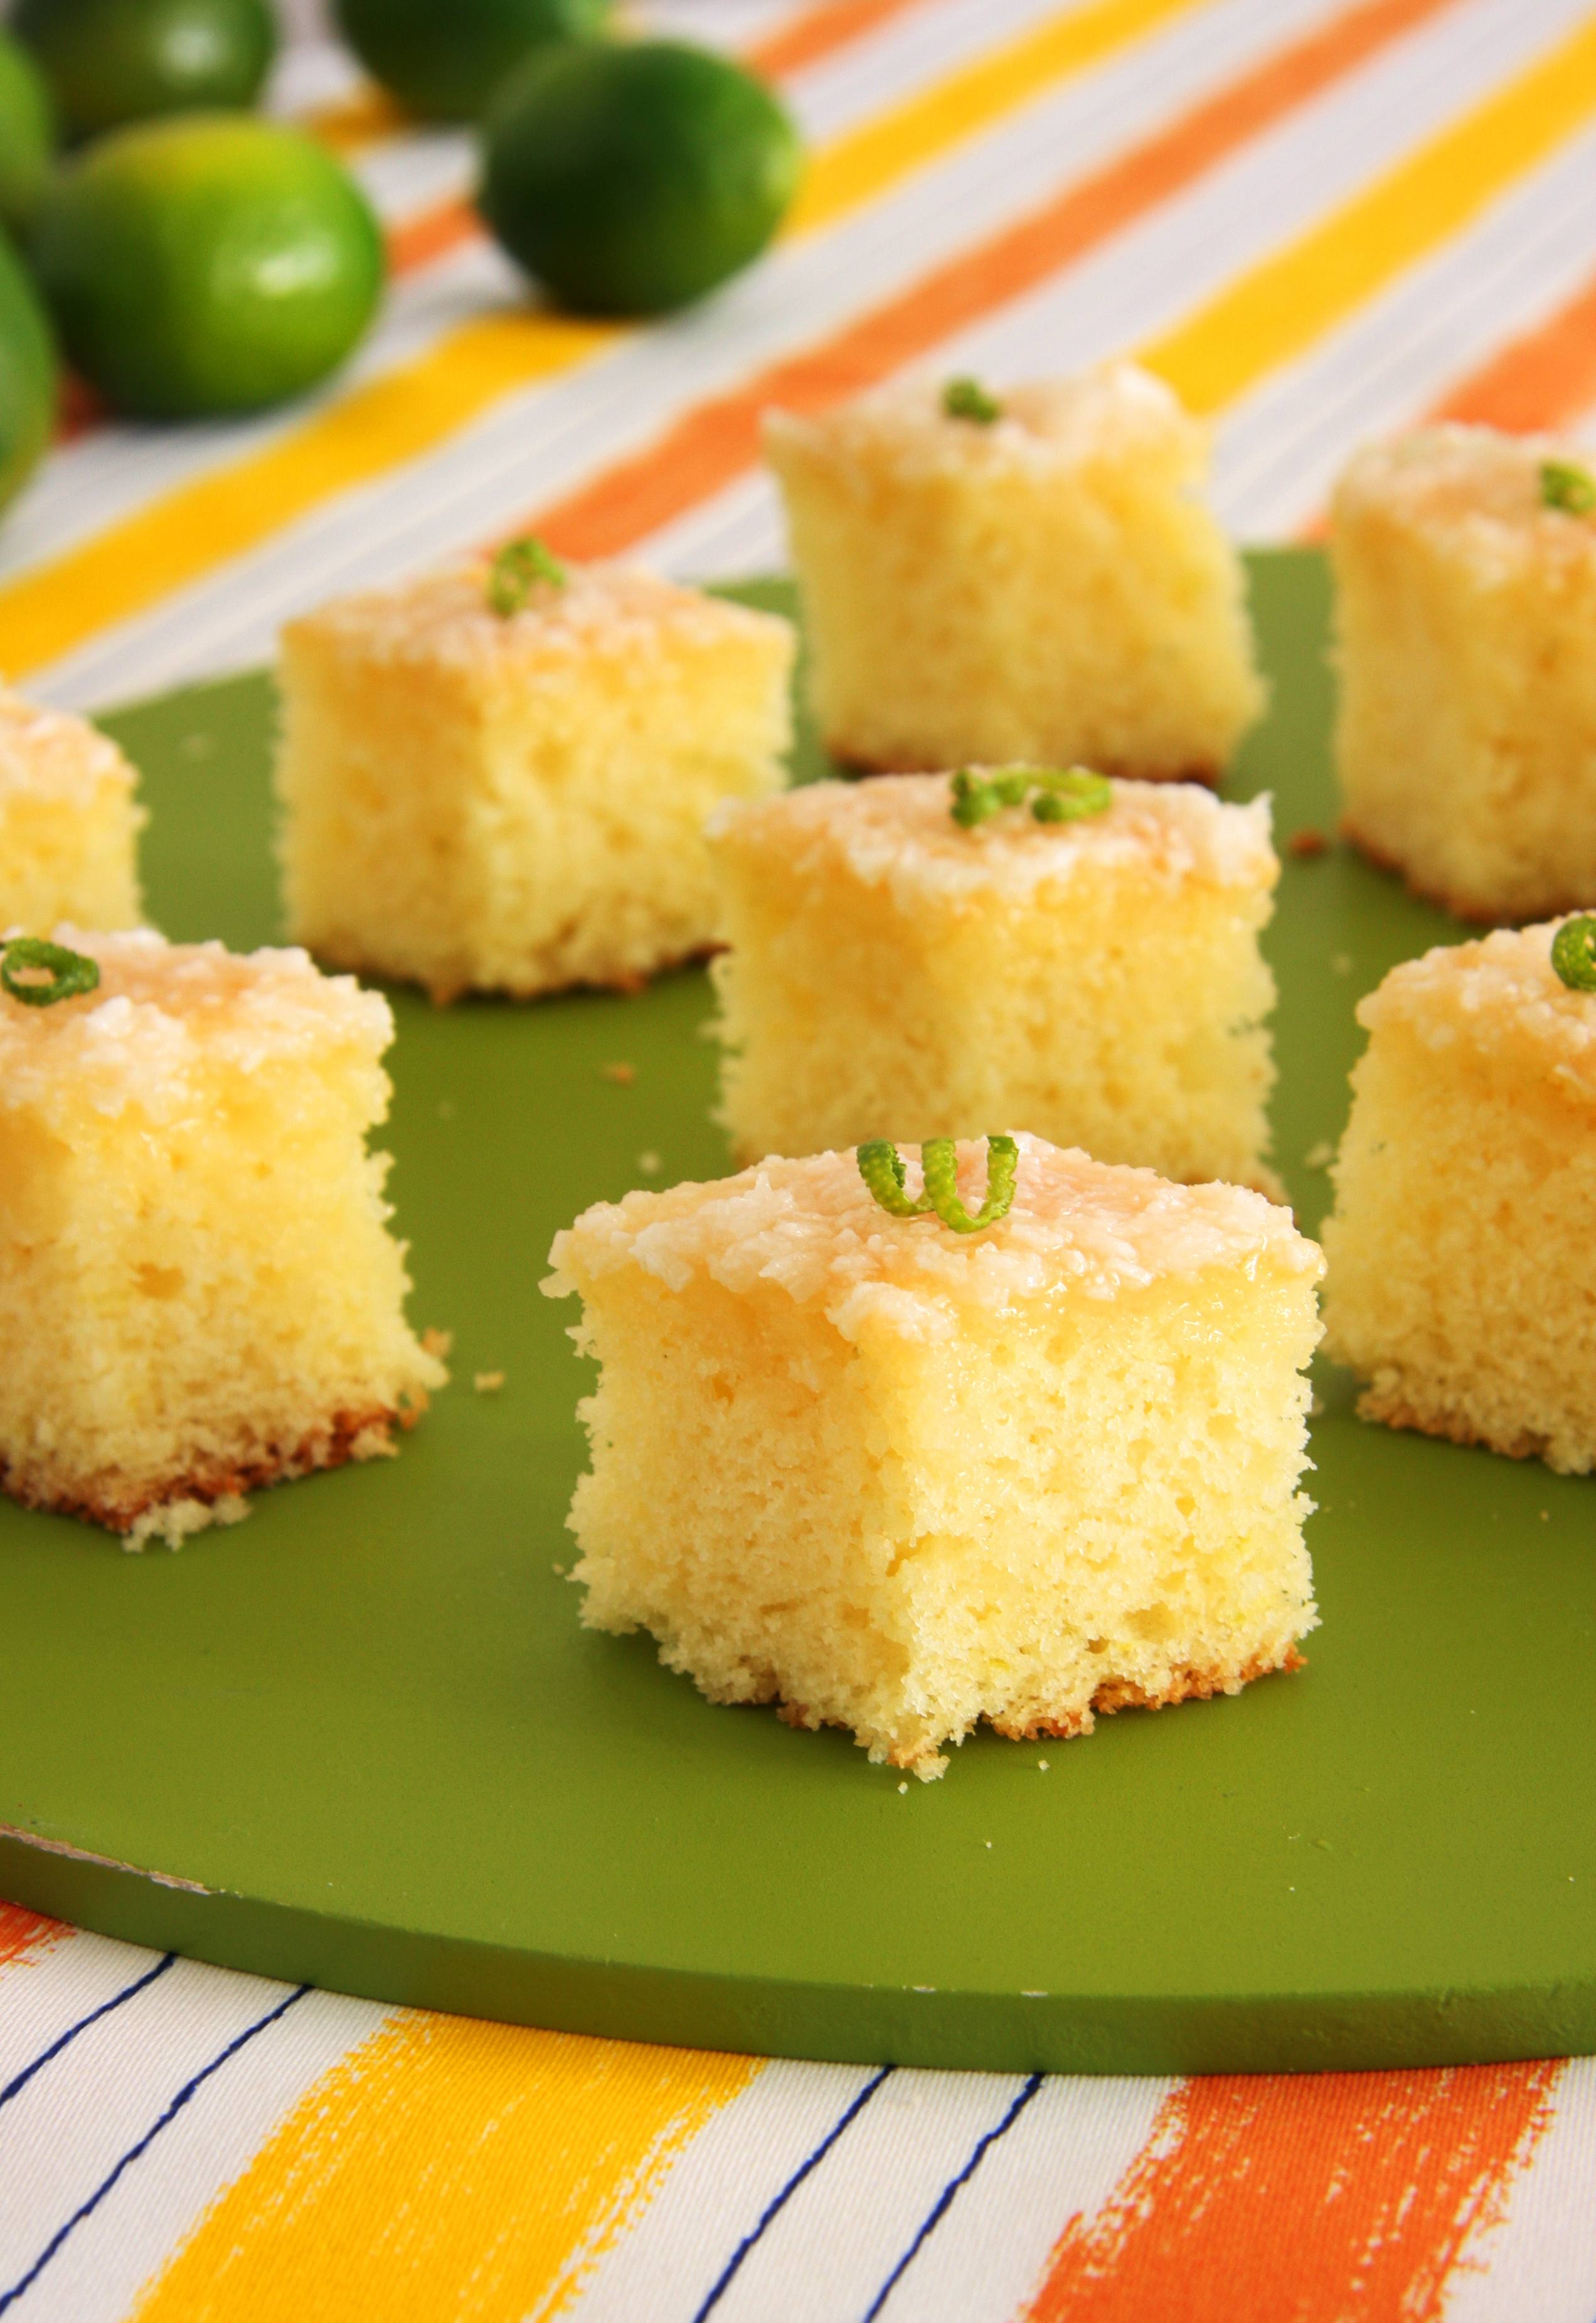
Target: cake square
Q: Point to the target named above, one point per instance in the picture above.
(198, 1293)
(1461, 1250)
(515, 802)
(1465, 740)
(895, 974)
(900, 1479)
(68, 822)
(1046, 583)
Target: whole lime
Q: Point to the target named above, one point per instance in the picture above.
(27, 133)
(210, 264)
(630, 178)
(108, 61)
(445, 64)
(27, 375)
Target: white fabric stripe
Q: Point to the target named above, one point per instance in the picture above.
(1539, 2264)
(544, 440)
(98, 2272)
(1280, 448)
(44, 1994)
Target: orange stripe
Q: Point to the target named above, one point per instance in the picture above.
(1541, 380)
(1302, 2199)
(820, 31)
(718, 440)
(23, 1931)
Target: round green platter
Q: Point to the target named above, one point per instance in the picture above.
(364, 1740)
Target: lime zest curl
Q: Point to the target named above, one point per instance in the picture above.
(967, 398)
(881, 1166)
(1057, 794)
(1573, 953)
(517, 567)
(1566, 485)
(66, 975)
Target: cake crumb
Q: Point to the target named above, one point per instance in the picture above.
(1306, 844)
(437, 1343)
(903, 1790)
(1319, 1156)
(649, 1164)
(1042, 1766)
(1341, 963)
(445, 1109)
(622, 1073)
(487, 1383)
(1546, 1516)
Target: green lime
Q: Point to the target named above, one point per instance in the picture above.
(445, 64)
(27, 375)
(27, 133)
(114, 60)
(209, 265)
(631, 178)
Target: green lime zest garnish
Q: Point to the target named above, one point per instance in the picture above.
(1573, 953)
(1057, 794)
(1567, 486)
(39, 974)
(518, 564)
(967, 398)
(881, 1166)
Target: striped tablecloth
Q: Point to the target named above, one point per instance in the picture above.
(1319, 221)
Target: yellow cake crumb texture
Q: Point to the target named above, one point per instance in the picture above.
(69, 822)
(1474, 490)
(900, 1479)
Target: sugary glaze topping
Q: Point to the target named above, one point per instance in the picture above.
(164, 1014)
(1501, 996)
(896, 832)
(1479, 490)
(813, 1227)
(445, 616)
(1110, 412)
(48, 754)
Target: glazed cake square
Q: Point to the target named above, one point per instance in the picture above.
(68, 822)
(891, 974)
(900, 1479)
(1461, 1252)
(516, 803)
(1466, 741)
(198, 1293)
(1046, 586)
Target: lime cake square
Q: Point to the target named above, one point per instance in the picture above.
(1461, 1250)
(68, 822)
(1465, 743)
(901, 1479)
(514, 801)
(894, 973)
(1043, 582)
(198, 1293)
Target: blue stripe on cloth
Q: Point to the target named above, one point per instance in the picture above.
(85, 2209)
(779, 2201)
(14, 2086)
(944, 2199)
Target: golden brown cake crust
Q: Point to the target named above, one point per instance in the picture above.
(1547, 906)
(1391, 1407)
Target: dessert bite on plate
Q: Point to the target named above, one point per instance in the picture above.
(495, 778)
(1461, 1250)
(1019, 1459)
(1029, 573)
(1465, 605)
(68, 822)
(198, 1293)
(918, 955)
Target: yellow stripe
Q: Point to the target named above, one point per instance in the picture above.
(1278, 308)
(863, 163)
(445, 2169)
(181, 536)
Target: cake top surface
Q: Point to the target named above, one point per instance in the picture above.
(1112, 411)
(897, 831)
(445, 617)
(1500, 995)
(813, 1228)
(164, 1013)
(1478, 489)
(49, 754)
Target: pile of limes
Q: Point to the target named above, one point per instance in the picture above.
(190, 257)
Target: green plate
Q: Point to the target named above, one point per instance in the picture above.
(362, 1740)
